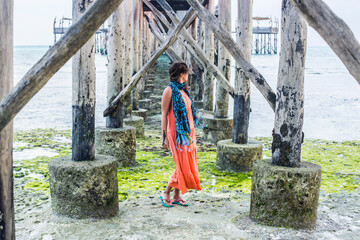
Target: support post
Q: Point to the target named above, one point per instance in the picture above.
(115, 80)
(128, 52)
(7, 217)
(242, 83)
(289, 114)
(222, 99)
(83, 102)
(208, 98)
(292, 200)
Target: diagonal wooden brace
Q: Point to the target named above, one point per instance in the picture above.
(136, 78)
(249, 70)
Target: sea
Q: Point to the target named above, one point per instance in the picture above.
(331, 108)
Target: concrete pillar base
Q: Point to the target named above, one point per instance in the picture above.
(216, 129)
(145, 104)
(138, 123)
(84, 189)
(140, 113)
(198, 104)
(284, 196)
(146, 94)
(234, 157)
(117, 142)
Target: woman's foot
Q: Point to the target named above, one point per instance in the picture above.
(177, 200)
(165, 197)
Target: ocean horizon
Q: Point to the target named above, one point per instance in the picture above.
(331, 109)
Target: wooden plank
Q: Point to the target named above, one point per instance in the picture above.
(83, 97)
(7, 218)
(54, 59)
(242, 83)
(250, 71)
(224, 61)
(289, 114)
(334, 31)
(114, 74)
(210, 66)
(149, 64)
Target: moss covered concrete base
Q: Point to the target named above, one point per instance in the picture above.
(86, 189)
(117, 142)
(283, 196)
(136, 122)
(234, 157)
(216, 129)
(140, 113)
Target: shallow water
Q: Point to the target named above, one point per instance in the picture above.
(332, 96)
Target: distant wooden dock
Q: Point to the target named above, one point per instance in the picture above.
(265, 35)
(61, 25)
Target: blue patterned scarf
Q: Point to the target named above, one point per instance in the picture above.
(179, 108)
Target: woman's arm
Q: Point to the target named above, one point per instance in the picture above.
(165, 106)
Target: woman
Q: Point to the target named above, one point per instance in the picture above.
(177, 123)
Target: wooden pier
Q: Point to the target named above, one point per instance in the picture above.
(265, 38)
(101, 36)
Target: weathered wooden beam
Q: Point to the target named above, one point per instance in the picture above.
(242, 83)
(170, 52)
(208, 96)
(250, 71)
(334, 31)
(135, 67)
(83, 98)
(210, 66)
(163, 19)
(224, 61)
(289, 113)
(128, 52)
(149, 64)
(115, 69)
(7, 217)
(75, 37)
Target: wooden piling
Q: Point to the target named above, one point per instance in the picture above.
(199, 87)
(208, 96)
(114, 77)
(83, 102)
(222, 98)
(7, 218)
(128, 51)
(242, 83)
(289, 114)
(135, 68)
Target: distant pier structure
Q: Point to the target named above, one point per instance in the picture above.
(61, 25)
(265, 35)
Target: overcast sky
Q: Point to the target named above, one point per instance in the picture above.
(33, 19)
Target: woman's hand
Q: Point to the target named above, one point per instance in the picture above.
(166, 144)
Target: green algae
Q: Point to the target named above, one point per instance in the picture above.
(340, 162)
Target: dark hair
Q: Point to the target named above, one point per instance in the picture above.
(176, 69)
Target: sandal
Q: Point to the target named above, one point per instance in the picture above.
(163, 202)
(180, 202)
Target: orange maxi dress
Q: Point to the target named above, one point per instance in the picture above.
(186, 175)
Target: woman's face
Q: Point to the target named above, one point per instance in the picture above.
(184, 77)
